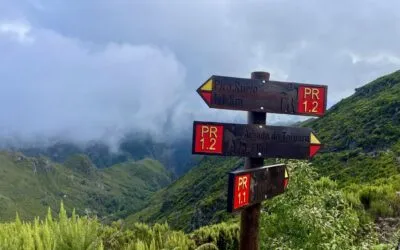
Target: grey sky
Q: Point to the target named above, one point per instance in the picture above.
(95, 69)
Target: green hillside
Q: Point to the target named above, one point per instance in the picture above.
(29, 185)
(175, 155)
(362, 133)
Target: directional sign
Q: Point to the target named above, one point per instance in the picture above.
(250, 186)
(250, 140)
(232, 93)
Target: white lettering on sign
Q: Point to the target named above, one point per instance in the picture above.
(315, 92)
(242, 183)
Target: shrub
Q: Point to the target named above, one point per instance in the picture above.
(67, 233)
(223, 235)
(78, 233)
(313, 212)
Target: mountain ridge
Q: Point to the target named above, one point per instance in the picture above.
(175, 156)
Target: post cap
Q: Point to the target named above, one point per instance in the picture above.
(261, 75)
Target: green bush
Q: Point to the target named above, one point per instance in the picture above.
(67, 233)
(78, 233)
(223, 235)
(313, 212)
(379, 199)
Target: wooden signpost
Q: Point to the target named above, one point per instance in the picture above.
(260, 95)
(250, 186)
(256, 141)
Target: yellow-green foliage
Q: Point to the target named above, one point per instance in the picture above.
(223, 235)
(142, 236)
(315, 212)
(379, 198)
(78, 233)
(66, 233)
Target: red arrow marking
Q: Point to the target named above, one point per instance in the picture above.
(285, 183)
(286, 180)
(314, 148)
(206, 96)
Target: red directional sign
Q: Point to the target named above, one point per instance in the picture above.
(241, 191)
(311, 100)
(232, 93)
(250, 186)
(228, 139)
(209, 138)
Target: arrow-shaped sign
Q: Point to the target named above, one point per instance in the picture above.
(250, 140)
(249, 186)
(232, 93)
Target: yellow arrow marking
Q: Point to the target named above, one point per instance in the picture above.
(208, 86)
(313, 139)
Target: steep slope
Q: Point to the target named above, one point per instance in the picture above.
(29, 185)
(369, 119)
(362, 133)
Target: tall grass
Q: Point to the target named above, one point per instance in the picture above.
(79, 233)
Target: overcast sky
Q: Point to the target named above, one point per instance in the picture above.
(87, 69)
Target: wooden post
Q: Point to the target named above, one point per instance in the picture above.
(250, 217)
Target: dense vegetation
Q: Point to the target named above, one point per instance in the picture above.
(78, 233)
(29, 185)
(316, 212)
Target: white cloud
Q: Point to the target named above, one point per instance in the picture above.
(17, 30)
(61, 86)
(380, 58)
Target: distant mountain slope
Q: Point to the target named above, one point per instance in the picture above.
(361, 133)
(196, 199)
(29, 185)
(175, 155)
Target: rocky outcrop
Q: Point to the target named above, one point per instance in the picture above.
(386, 228)
(38, 164)
(80, 163)
(41, 165)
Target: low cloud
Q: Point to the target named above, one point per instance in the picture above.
(57, 86)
